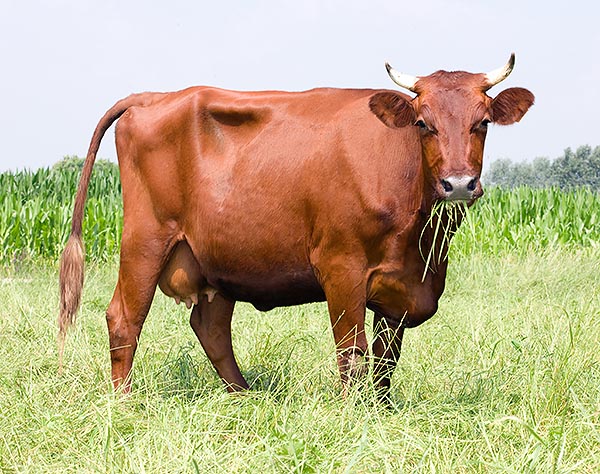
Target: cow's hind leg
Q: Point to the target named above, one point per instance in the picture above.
(211, 321)
(142, 257)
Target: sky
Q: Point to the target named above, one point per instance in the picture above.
(63, 63)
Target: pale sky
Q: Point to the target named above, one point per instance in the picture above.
(65, 62)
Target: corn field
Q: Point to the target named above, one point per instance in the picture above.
(36, 208)
(525, 220)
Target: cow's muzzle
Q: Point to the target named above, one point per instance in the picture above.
(460, 188)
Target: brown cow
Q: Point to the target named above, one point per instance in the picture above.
(281, 198)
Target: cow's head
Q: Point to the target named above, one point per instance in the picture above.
(451, 112)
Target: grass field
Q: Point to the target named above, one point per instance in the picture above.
(505, 378)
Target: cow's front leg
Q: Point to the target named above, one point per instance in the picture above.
(386, 352)
(346, 300)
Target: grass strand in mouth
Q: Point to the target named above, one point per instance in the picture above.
(445, 216)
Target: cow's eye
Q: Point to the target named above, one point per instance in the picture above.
(481, 126)
(422, 125)
(425, 128)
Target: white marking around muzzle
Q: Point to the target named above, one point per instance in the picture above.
(460, 188)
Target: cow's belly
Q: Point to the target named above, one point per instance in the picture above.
(266, 292)
(182, 279)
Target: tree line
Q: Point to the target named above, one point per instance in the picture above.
(573, 169)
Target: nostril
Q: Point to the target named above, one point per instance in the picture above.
(447, 186)
(472, 184)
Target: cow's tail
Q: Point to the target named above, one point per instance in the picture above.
(72, 260)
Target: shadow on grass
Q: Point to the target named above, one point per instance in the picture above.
(187, 373)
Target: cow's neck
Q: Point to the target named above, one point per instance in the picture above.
(408, 282)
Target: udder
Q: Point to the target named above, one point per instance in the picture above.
(181, 278)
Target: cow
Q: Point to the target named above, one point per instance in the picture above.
(285, 198)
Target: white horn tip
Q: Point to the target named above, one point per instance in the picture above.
(403, 80)
(511, 61)
(498, 75)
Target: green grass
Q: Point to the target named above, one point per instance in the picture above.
(505, 378)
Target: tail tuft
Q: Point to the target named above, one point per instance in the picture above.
(71, 285)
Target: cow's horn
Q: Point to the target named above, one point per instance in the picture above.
(498, 75)
(403, 80)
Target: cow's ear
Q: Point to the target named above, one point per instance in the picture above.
(510, 105)
(392, 109)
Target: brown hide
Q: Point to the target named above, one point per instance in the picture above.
(280, 198)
